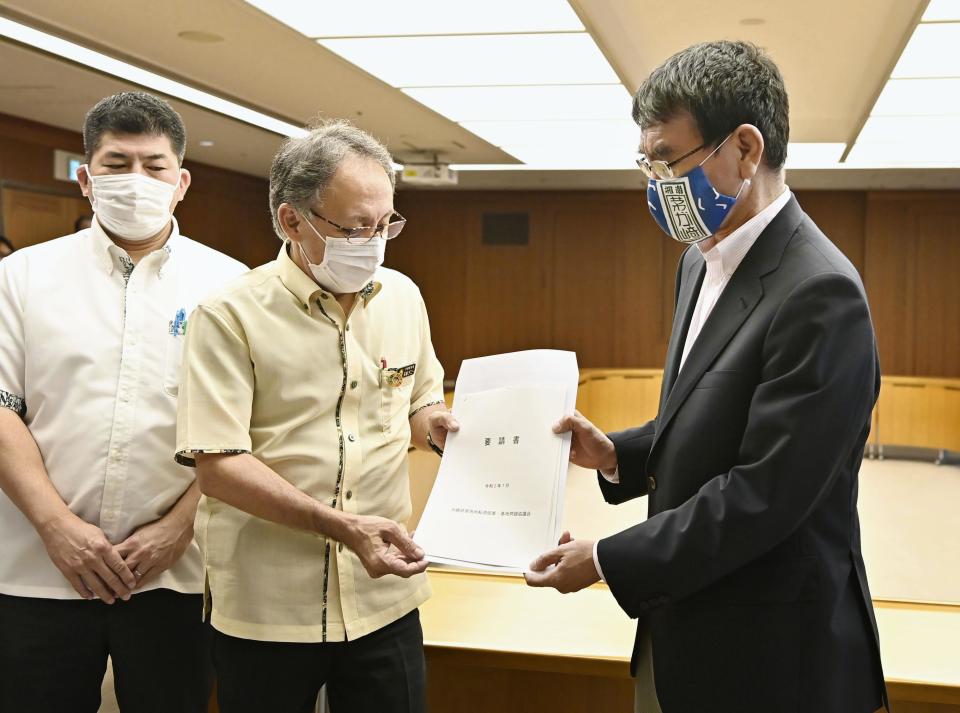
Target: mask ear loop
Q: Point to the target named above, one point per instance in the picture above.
(322, 239)
(746, 182)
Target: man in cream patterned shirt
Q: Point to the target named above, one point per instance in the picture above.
(305, 383)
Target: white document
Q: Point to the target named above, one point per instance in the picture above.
(497, 501)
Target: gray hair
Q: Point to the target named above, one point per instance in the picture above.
(303, 167)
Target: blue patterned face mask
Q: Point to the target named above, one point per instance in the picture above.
(689, 208)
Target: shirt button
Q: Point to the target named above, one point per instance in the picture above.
(652, 483)
(351, 438)
(354, 384)
(349, 494)
(348, 327)
(323, 295)
(340, 547)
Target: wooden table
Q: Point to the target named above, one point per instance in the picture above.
(494, 644)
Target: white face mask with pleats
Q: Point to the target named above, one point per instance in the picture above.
(346, 267)
(130, 205)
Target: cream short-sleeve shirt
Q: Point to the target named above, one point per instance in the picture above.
(273, 367)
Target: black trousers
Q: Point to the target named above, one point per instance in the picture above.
(382, 672)
(53, 653)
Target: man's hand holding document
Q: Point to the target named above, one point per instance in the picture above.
(498, 498)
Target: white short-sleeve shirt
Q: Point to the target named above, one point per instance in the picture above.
(90, 351)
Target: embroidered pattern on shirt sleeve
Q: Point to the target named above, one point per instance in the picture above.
(13, 402)
(187, 458)
(432, 403)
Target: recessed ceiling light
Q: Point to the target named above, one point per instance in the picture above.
(206, 143)
(200, 36)
(150, 80)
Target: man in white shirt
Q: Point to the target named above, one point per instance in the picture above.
(747, 578)
(97, 555)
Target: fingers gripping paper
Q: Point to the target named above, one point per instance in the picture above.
(497, 501)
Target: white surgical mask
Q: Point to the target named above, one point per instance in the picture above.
(130, 205)
(346, 267)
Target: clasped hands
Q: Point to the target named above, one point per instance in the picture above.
(98, 569)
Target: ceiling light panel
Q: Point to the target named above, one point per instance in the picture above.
(813, 155)
(906, 154)
(562, 135)
(479, 60)
(896, 129)
(909, 97)
(893, 141)
(942, 11)
(551, 102)
(931, 52)
(597, 144)
(388, 18)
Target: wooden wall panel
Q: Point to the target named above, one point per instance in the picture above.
(585, 283)
(32, 217)
(508, 287)
(911, 264)
(432, 252)
(937, 291)
(905, 251)
(890, 276)
(646, 264)
(597, 276)
(841, 216)
(228, 211)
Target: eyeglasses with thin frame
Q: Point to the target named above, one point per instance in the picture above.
(662, 170)
(364, 234)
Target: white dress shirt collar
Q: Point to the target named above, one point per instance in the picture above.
(725, 256)
(109, 254)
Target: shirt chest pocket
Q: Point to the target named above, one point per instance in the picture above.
(173, 343)
(396, 387)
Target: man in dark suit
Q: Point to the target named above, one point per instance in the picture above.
(747, 579)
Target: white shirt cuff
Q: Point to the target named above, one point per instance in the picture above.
(613, 477)
(596, 560)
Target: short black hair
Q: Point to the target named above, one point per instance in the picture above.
(78, 223)
(133, 113)
(6, 241)
(722, 85)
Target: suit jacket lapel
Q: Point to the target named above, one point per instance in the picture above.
(737, 301)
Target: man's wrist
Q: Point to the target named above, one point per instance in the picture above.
(46, 524)
(334, 524)
(610, 464)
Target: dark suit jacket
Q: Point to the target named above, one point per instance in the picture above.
(748, 572)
